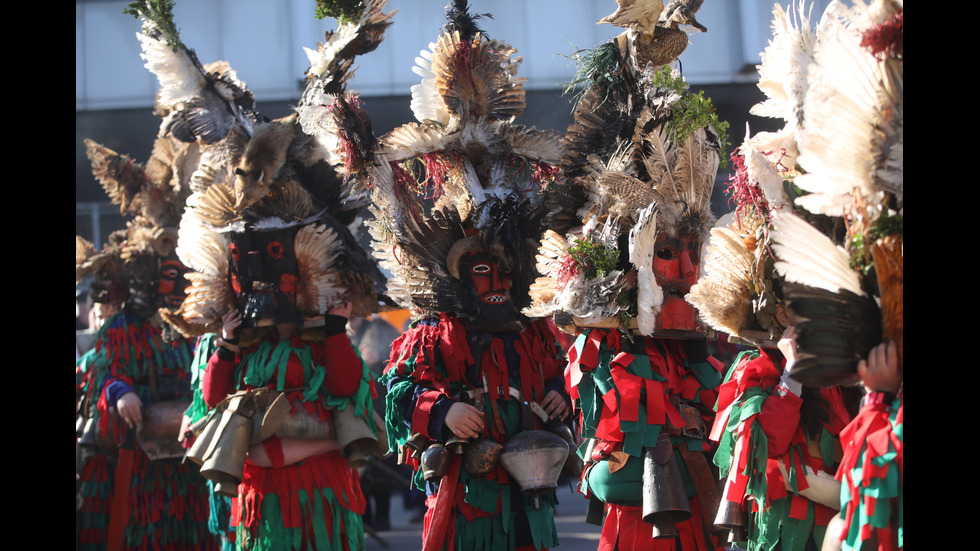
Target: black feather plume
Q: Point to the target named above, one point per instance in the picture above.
(459, 19)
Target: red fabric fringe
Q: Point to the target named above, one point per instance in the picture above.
(328, 470)
(624, 530)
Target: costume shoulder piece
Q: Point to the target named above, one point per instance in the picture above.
(266, 230)
(637, 170)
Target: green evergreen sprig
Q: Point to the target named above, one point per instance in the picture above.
(859, 245)
(692, 111)
(345, 11)
(161, 14)
(599, 66)
(594, 257)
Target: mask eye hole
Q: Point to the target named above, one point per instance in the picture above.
(274, 249)
(481, 268)
(169, 273)
(665, 253)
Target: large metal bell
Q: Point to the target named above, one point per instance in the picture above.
(225, 464)
(199, 450)
(733, 518)
(417, 444)
(481, 455)
(88, 439)
(456, 444)
(435, 461)
(573, 463)
(664, 496)
(302, 426)
(534, 458)
(357, 440)
(160, 428)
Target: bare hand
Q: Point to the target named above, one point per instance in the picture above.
(129, 407)
(787, 345)
(185, 423)
(555, 405)
(342, 309)
(465, 420)
(230, 323)
(880, 372)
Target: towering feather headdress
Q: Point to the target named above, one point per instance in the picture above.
(638, 165)
(838, 88)
(851, 159)
(463, 178)
(267, 182)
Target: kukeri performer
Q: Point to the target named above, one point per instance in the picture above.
(475, 389)
(136, 492)
(276, 273)
(627, 218)
(847, 295)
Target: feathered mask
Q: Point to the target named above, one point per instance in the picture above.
(137, 271)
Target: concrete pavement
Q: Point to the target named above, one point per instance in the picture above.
(573, 532)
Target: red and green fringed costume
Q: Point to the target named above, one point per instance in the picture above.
(628, 394)
(757, 427)
(872, 474)
(438, 362)
(167, 500)
(315, 504)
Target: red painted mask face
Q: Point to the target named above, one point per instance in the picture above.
(675, 264)
(491, 287)
(172, 284)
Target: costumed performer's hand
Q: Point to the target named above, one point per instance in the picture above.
(554, 404)
(787, 345)
(185, 424)
(129, 407)
(465, 420)
(880, 372)
(342, 309)
(230, 323)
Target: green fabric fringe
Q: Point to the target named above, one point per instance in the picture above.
(206, 347)
(884, 490)
(276, 537)
(492, 534)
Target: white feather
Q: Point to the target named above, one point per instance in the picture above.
(650, 297)
(809, 257)
(427, 104)
(843, 116)
(180, 79)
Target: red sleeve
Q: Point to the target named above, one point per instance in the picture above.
(217, 381)
(780, 418)
(344, 367)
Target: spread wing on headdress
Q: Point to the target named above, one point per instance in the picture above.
(197, 103)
